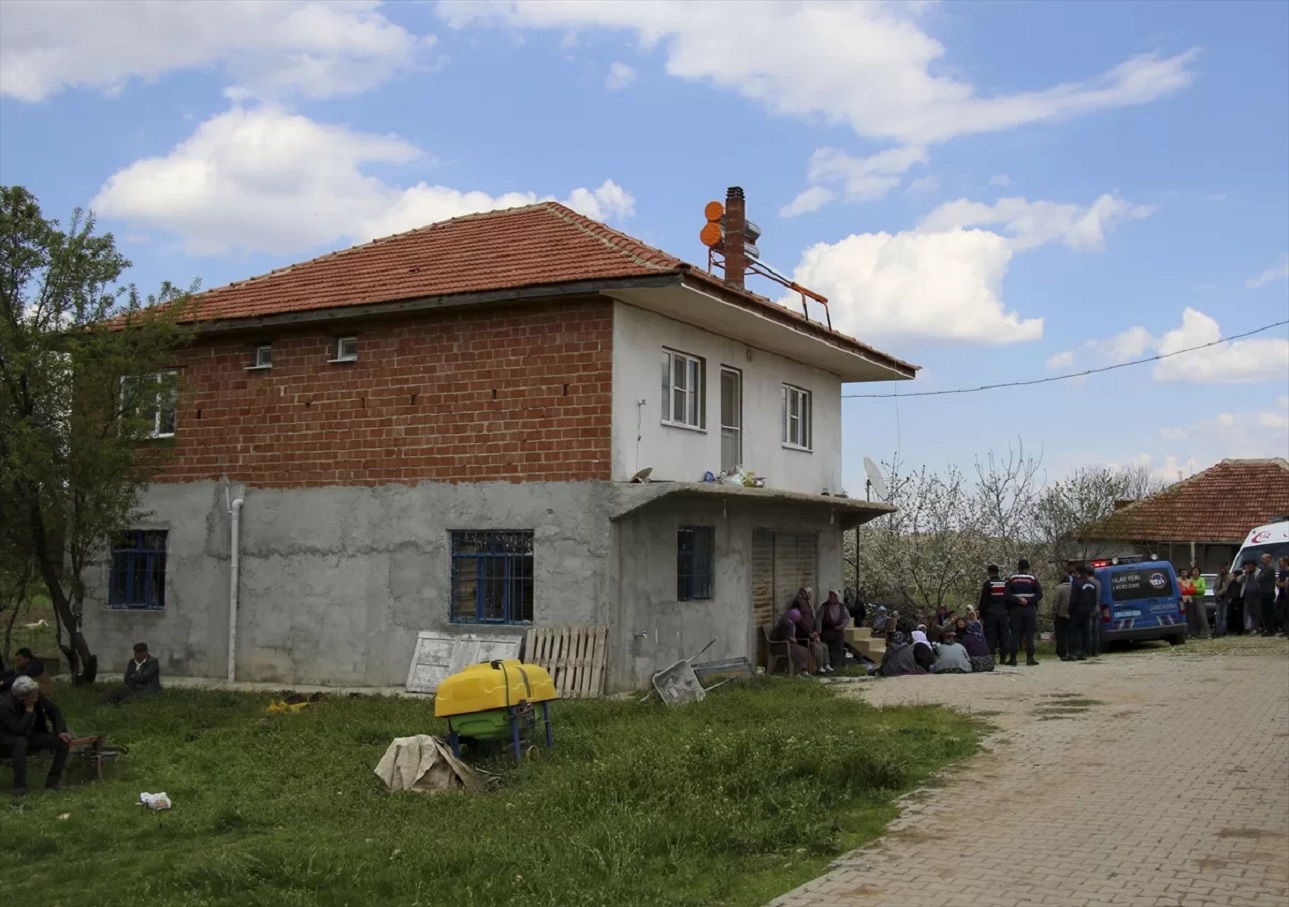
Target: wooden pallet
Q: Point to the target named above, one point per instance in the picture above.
(575, 657)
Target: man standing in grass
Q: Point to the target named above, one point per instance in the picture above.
(30, 722)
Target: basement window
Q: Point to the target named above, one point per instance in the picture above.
(138, 577)
(695, 563)
(492, 577)
(263, 358)
(346, 350)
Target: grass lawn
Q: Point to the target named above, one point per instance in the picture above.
(727, 802)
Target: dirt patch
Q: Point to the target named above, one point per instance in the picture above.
(1255, 834)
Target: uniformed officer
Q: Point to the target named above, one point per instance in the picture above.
(1022, 593)
(993, 614)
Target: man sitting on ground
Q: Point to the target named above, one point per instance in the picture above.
(30, 722)
(143, 673)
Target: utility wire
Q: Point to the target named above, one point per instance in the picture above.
(1091, 371)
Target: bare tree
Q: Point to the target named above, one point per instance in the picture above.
(1088, 496)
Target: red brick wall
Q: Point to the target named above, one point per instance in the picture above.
(515, 394)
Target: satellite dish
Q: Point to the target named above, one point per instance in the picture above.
(642, 475)
(876, 481)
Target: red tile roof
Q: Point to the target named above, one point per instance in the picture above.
(1220, 504)
(546, 244)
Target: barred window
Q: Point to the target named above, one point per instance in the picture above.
(695, 562)
(138, 576)
(492, 577)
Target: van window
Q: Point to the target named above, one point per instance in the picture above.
(1148, 582)
(1254, 553)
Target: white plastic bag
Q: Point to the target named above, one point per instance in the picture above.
(155, 801)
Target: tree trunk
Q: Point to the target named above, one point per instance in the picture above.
(81, 662)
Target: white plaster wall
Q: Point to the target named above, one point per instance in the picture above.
(679, 454)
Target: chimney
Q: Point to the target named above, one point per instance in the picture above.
(735, 226)
(1123, 502)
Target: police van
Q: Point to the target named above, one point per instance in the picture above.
(1272, 539)
(1140, 600)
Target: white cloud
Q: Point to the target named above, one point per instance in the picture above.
(1001, 179)
(857, 178)
(267, 180)
(943, 280)
(808, 200)
(1204, 288)
(1031, 224)
(269, 49)
(918, 286)
(1236, 362)
(1279, 272)
(868, 65)
(620, 76)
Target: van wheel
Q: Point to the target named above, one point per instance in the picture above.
(1177, 640)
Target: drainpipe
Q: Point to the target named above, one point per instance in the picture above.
(234, 547)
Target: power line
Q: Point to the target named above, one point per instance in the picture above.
(1083, 374)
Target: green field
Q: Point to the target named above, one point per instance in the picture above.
(730, 801)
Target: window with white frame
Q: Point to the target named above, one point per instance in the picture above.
(263, 357)
(797, 418)
(684, 390)
(346, 349)
(153, 399)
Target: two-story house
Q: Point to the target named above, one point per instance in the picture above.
(437, 431)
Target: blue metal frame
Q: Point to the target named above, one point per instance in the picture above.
(695, 563)
(138, 577)
(500, 564)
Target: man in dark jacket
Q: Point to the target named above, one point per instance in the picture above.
(1266, 574)
(143, 673)
(28, 722)
(1022, 593)
(1083, 604)
(993, 614)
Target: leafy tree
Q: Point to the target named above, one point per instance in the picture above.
(82, 393)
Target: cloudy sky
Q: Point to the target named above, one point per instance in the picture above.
(998, 192)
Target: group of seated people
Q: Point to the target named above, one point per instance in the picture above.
(30, 721)
(817, 640)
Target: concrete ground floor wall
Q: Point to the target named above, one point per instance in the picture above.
(337, 582)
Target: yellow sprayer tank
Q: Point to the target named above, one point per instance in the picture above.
(483, 687)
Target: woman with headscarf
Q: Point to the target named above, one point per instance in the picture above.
(808, 631)
(786, 631)
(973, 640)
(833, 619)
(898, 660)
(922, 651)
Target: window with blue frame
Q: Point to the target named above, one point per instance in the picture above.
(138, 577)
(695, 562)
(492, 577)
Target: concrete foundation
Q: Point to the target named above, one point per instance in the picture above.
(337, 582)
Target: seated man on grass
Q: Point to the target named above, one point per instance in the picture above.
(29, 721)
(143, 673)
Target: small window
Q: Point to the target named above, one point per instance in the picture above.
(797, 418)
(695, 562)
(684, 390)
(154, 399)
(138, 576)
(346, 349)
(263, 357)
(492, 577)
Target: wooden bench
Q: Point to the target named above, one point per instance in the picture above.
(90, 749)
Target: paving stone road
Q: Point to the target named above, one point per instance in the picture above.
(1171, 791)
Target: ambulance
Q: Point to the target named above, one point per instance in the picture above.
(1272, 539)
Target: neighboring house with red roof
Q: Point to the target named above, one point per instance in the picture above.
(438, 431)
(1201, 520)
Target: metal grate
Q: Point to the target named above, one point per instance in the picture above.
(492, 577)
(695, 562)
(138, 578)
